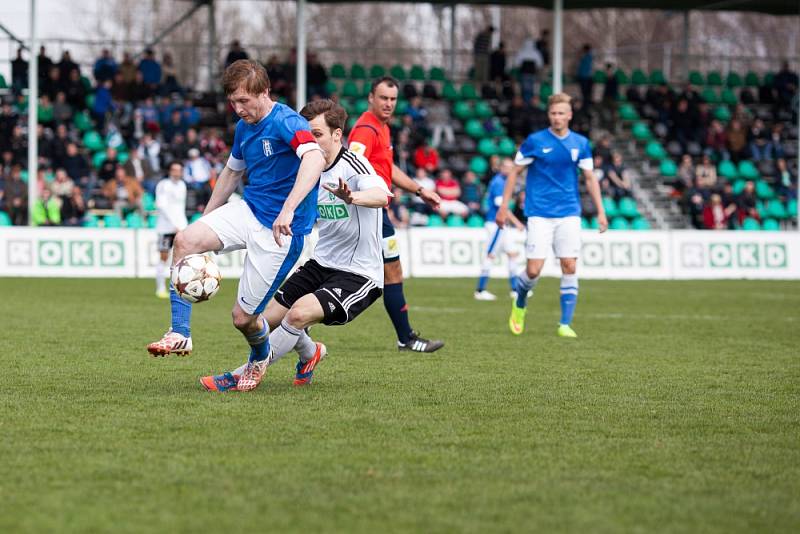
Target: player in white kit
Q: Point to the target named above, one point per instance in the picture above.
(345, 275)
(171, 206)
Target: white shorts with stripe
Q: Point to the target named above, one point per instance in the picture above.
(562, 235)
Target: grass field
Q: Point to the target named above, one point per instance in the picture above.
(677, 410)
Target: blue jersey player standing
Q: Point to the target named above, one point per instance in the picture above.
(496, 243)
(283, 162)
(552, 205)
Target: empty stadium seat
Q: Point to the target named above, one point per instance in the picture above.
(748, 170)
(436, 74)
(377, 71)
(763, 190)
(657, 77)
(751, 224)
(654, 150)
(622, 78)
(771, 225)
(449, 91)
(599, 76)
(628, 113)
(722, 113)
(134, 220)
(417, 73)
(358, 72)
(5, 220)
(506, 147)
(93, 141)
(751, 79)
(487, 147)
(714, 78)
(350, 89)
(463, 110)
(474, 128)
(398, 72)
(475, 221)
(727, 170)
(610, 207)
(483, 110)
(640, 223)
(619, 223)
(91, 221)
(729, 97)
(435, 221)
(152, 220)
(695, 78)
(338, 71)
(710, 95)
(468, 91)
(479, 165)
(112, 220)
(455, 221)
(733, 79)
(628, 208)
(668, 168)
(777, 210)
(638, 77)
(641, 131)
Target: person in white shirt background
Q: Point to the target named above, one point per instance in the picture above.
(171, 206)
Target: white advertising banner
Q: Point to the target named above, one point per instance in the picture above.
(431, 252)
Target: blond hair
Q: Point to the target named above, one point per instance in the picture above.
(559, 98)
(245, 74)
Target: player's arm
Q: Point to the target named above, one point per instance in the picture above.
(312, 164)
(593, 188)
(404, 182)
(227, 182)
(372, 197)
(515, 221)
(503, 213)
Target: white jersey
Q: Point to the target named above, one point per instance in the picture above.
(171, 205)
(350, 237)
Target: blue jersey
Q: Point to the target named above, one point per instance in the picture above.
(271, 152)
(495, 195)
(551, 188)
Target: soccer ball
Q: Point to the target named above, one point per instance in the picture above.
(196, 278)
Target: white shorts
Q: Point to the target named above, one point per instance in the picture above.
(266, 265)
(495, 239)
(562, 235)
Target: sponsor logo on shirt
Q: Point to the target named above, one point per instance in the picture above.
(547, 150)
(267, 147)
(332, 211)
(574, 153)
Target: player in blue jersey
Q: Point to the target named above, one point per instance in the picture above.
(553, 207)
(496, 243)
(283, 161)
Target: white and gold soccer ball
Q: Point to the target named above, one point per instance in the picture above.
(196, 278)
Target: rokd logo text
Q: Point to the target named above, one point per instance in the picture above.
(65, 253)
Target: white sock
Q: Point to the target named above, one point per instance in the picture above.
(512, 267)
(161, 270)
(305, 346)
(526, 282)
(282, 340)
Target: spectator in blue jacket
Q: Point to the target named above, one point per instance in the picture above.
(105, 67)
(151, 70)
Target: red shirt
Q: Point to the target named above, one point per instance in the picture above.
(448, 189)
(426, 158)
(376, 139)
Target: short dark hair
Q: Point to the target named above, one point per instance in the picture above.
(335, 115)
(246, 74)
(388, 80)
(175, 162)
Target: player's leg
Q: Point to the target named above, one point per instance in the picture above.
(493, 244)
(197, 238)
(538, 243)
(162, 267)
(567, 247)
(393, 298)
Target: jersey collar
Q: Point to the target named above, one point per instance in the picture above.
(338, 157)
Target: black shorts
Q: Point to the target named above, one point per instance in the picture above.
(165, 242)
(390, 251)
(342, 295)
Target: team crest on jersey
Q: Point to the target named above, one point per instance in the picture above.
(267, 147)
(574, 153)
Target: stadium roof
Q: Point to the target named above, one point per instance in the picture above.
(771, 7)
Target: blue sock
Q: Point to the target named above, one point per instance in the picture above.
(512, 282)
(181, 313)
(259, 344)
(483, 281)
(395, 303)
(569, 297)
(524, 284)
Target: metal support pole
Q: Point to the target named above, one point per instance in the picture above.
(212, 42)
(33, 118)
(497, 21)
(558, 45)
(686, 30)
(452, 41)
(13, 37)
(301, 54)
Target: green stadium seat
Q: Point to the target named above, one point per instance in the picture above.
(722, 113)
(727, 169)
(468, 91)
(152, 220)
(338, 71)
(768, 78)
(98, 159)
(435, 221)
(594, 224)
(640, 223)
(654, 150)
(695, 78)
(361, 106)
(641, 131)
(771, 225)
(475, 221)
(710, 95)
(436, 74)
(479, 165)
(358, 72)
(195, 217)
(351, 121)
(599, 76)
(449, 91)
(751, 224)
(610, 207)
(417, 73)
(657, 77)
(402, 107)
(87, 83)
(455, 221)
(545, 91)
(112, 220)
(791, 208)
(729, 97)
(748, 170)
(619, 223)
(628, 113)
(123, 155)
(134, 220)
(777, 210)
(474, 129)
(398, 72)
(622, 78)
(377, 71)
(463, 110)
(638, 77)
(487, 147)
(82, 121)
(89, 101)
(668, 168)
(584, 224)
(506, 147)
(714, 78)
(93, 141)
(350, 89)
(628, 208)
(751, 79)
(148, 202)
(3, 82)
(91, 221)
(366, 87)
(483, 110)
(5, 220)
(763, 190)
(331, 87)
(738, 187)
(733, 79)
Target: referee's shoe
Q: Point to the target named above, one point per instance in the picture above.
(419, 344)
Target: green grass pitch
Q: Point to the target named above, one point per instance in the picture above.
(677, 410)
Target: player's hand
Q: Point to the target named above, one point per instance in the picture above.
(501, 217)
(342, 191)
(519, 226)
(602, 223)
(282, 225)
(431, 198)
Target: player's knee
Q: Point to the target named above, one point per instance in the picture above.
(241, 320)
(569, 266)
(299, 316)
(533, 271)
